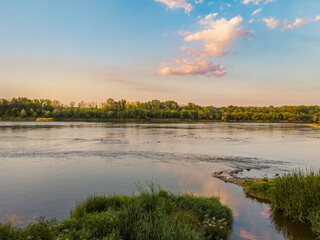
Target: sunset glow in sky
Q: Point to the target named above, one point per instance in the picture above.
(211, 52)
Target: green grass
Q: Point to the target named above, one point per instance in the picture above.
(153, 214)
(260, 188)
(296, 195)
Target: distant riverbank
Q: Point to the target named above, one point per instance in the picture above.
(150, 120)
(316, 125)
(151, 111)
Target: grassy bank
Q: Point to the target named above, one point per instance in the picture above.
(258, 188)
(153, 214)
(295, 194)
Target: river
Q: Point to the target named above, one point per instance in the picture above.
(46, 168)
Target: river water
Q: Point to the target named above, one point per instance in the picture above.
(46, 168)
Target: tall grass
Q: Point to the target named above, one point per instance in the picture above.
(297, 195)
(153, 214)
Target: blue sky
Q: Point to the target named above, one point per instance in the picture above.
(207, 52)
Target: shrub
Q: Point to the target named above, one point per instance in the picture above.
(154, 214)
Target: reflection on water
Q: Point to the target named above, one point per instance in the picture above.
(45, 168)
(290, 229)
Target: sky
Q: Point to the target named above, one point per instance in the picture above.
(220, 52)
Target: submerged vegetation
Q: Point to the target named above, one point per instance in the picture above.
(26, 109)
(153, 214)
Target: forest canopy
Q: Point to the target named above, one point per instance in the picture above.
(27, 109)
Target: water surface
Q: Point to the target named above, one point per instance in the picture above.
(46, 168)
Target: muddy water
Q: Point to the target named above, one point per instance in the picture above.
(45, 168)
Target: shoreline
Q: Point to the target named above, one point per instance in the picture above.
(241, 182)
(314, 125)
(152, 120)
(294, 194)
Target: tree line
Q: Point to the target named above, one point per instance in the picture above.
(26, 109)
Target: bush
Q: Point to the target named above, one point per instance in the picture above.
(8, 232)
(153, 214)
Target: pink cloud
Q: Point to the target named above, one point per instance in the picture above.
(271, 23)
(198, 66)
(177, 4)
(183, 33)
(248, 1)
(217, 35)
(216, 38)
(256, 2)
(299, 22)
(256, 11)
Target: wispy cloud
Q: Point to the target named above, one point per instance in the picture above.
(257, 2)
(197, 66)
(249, 1)
(183, 33)
(177, 4)
(299, 22)
(271, 23)
(256, 11)
(269, 1)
